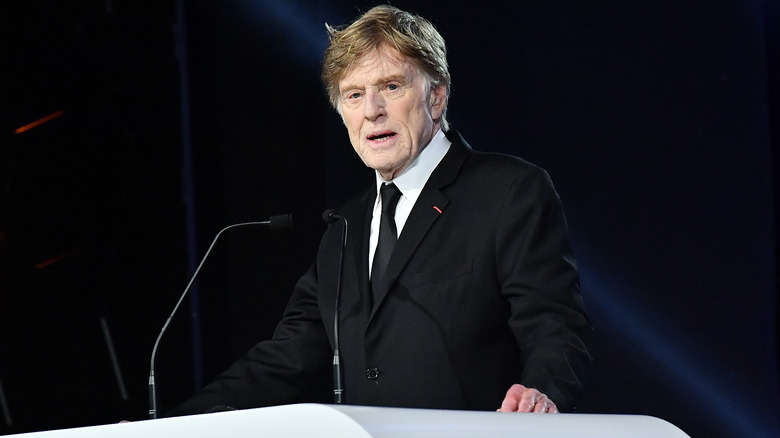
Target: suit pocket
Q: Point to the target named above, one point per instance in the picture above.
(442, 273)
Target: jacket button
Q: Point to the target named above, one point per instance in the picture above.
(372, 373)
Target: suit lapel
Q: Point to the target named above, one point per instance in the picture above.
(360, 245)
(421, 219)
(431, 204)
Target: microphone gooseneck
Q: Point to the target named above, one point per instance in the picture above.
(330, 216)
(275, 223)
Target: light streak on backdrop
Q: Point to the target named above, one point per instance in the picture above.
(707, 389)
(293, 26)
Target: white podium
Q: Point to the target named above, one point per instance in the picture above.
(338, 421)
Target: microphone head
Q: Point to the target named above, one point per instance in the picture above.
(281, 222)
(330, 216)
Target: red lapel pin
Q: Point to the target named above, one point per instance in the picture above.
(437, 209)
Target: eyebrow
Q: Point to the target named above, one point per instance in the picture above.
(383, 80)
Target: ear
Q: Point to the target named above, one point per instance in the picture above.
(438, 100)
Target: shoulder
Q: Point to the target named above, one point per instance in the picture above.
(505, 171)
(498, 164)
(496, 161)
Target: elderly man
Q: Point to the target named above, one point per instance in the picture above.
(458, 289)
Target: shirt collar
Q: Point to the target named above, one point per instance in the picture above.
(412, 180)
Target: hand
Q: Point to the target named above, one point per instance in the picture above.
(522, 399)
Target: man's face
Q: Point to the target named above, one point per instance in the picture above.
(388, 110)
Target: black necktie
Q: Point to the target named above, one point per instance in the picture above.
(387, 232)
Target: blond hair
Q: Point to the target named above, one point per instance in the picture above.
(414, 37)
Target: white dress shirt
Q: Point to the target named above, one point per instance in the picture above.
(410, 182)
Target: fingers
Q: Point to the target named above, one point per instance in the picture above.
(544, 405)
(512, 400)
(521, 399)
(529, 400)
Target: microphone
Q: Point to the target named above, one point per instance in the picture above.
(330, 216)
(280, 222)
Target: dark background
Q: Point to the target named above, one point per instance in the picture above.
(656, 120)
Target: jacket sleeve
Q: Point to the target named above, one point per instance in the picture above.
(539, 279)
(293, 366)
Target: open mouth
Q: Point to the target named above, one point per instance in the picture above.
(381, 136)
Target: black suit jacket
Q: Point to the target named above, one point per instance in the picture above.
(482, 292)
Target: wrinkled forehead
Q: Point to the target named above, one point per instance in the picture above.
(379, 62)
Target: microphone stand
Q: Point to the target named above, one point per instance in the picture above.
(276, 222)
(331, 216)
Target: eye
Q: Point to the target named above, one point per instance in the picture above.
(353, 95)
(392, 87)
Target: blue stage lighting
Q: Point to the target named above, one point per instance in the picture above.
(698, 379)
(293, 26)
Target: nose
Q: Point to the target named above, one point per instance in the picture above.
(375, 106)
